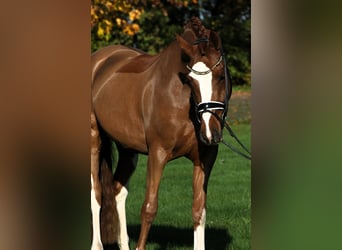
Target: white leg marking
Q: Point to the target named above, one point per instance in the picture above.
(206, 90)
(199, 242)
(121, 209)
(95, 211)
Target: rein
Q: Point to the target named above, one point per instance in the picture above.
(208, 107)
(232, 134)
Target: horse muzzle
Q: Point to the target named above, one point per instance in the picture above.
(211, 122)
(213, 138)
(210, 130)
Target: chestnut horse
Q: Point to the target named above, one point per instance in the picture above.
(166, 106)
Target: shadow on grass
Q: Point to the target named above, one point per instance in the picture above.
(168, 237)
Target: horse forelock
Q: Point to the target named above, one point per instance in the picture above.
(197, 27)
(194, 30)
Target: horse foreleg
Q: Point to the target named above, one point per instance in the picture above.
(95, 185)
(155, 165)
(202, 170)
(198, 208)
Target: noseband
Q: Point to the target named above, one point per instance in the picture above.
(211, 106)
(205, 72)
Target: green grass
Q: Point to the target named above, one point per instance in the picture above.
(228, 206)
(245, 87)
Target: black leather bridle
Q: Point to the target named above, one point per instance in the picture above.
(211, 106)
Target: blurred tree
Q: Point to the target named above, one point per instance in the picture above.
(155, 23)
(232, 19)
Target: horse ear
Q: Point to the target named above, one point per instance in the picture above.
(186, 48)
(215, 39)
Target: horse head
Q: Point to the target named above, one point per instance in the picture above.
(202, 54)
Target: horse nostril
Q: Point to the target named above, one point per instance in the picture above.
(204, 139)
(216, 136)
(214, 139)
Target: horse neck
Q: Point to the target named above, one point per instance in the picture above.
(170, 59)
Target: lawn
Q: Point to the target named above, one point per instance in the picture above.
(228, 206)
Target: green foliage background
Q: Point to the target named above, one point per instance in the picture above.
(161, 20)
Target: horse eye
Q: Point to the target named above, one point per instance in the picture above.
(184, 78)
(222, 78)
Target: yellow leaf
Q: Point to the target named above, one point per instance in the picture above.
(128, 30)
(100, 32)
(108, 23)
(131, 16)
(135, 27)
(138, 13)
(118, 21)
(109, 4)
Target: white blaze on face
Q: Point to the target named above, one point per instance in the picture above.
(206, 90)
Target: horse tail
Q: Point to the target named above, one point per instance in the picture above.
(109, 218)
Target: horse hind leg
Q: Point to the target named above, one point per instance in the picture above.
(108, 217)
(95, 184)
(126, 165)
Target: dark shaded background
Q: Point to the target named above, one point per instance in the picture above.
(44, 131)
